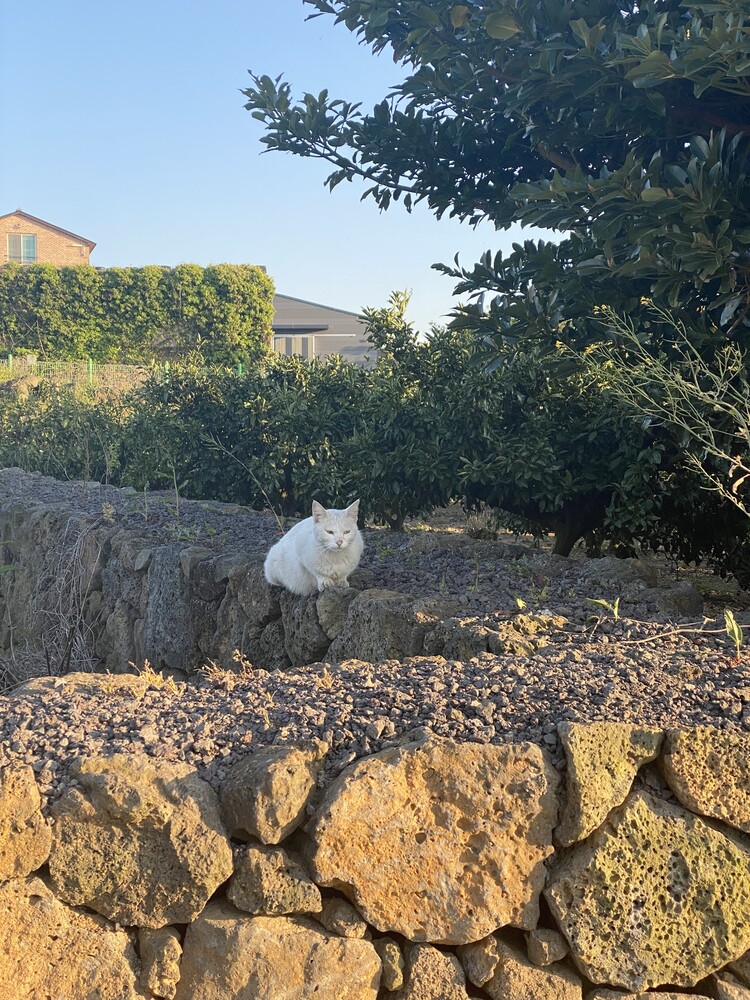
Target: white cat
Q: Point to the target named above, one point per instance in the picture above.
(317, 553)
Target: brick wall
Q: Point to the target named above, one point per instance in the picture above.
(52, 246)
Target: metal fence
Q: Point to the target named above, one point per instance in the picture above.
(77, 373)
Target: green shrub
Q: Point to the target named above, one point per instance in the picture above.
(425, 425)
(136, 314)
(62, 432)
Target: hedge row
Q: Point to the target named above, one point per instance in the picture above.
(424, 426)
(136, 314)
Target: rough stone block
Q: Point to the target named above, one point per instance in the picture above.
(228, 954)
(515, 978)
(268, 881)
(160, 952)
(439, 841)
(602, 761)
(48, 949)
(545, 946)
(139, 843)
(709, 772)
(25, 836)
(432, 975)
(392, 977)
(266, 793)
(672, 891)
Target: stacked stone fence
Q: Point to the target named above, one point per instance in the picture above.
(108, 589)
(433, 870)
(129, 599)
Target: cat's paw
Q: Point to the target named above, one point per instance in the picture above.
(332, 582)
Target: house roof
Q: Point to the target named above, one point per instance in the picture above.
(49, 225)
(318, 305)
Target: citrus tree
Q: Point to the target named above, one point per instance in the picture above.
(622, 127)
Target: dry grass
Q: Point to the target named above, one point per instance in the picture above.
(155, 678)
(20, 666)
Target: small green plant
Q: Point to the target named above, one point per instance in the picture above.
(734, 631)
(520, 603)
(385, 550)
(613, 607)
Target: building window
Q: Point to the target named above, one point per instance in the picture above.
(22, 249)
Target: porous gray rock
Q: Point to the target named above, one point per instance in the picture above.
(248, 606)
(260, 602)
(385, 624)
(672, 890)
(25, 836)
(602, 761)
(439, 841)
(629, 576)
(140, 843)
(680, 601)
(268, 881)
(168, 623)
(332, 607)
(270, 648)
(304, 639)
(228, 954)
(265, 794)
(48, 949)
(709, 772)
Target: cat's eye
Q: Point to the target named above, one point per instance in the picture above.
(347, 531)
(328, 531)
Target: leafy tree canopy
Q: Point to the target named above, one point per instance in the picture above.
(625, 126)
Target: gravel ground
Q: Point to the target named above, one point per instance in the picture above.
(642, 666)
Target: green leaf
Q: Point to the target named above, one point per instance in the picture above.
(734, 629)
(652, 70)
(428, 15)
(581, 30)
(459, 15)
(502, 26)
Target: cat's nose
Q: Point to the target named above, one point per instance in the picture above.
(339, 542)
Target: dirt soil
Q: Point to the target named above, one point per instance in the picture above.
(615, 656)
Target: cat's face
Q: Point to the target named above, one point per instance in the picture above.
(335, 529)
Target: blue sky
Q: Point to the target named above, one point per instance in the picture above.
(125, 124)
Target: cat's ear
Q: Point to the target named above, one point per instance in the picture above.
(318, 510)
(352, 510)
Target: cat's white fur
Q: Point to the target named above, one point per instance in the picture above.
(317, 553)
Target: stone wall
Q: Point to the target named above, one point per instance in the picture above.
(106, 588)
(433, 870)
(119, 597)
